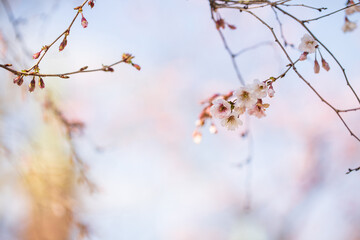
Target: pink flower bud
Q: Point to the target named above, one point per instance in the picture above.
(213, 129)
(232, 27)
(32, 85)
(197, 136)
(271, 91)
(21, 80)
(84, 23)
(63, 44)
(91, 3)
(200, 122)
(325, 65)
(316, 67)
(41, 83)
(136, 66)
(303, 56)
(37, 55)
(17, 79)
(220, 24)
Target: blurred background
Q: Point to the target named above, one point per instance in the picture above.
(133, 170)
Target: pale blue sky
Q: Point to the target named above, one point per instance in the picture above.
(156, 183)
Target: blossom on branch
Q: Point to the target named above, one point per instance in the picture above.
(348, 26)
(258, 110)
(259, 89)
(352, 9)
(308, 44)
(271, 91)
(245, 97)
(220, 108)
(232, 122)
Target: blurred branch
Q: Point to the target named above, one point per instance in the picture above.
(14, 22)
(355, 169)
(71, 127)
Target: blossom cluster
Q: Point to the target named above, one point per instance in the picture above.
(230, 107)
(310, 45)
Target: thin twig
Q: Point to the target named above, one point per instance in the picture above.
(326, 15)
(105, 68)
(302, 78)
(305, 6)
(331, 54)
(66, 32)
(252, 48)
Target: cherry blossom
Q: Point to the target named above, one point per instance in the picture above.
(258, 110)
(308, 44)
(245, 97)
(271, 91)
(259, 89)
(232, 122)
(239, 109)
(220, 108)
(348, 26)
(352, 9)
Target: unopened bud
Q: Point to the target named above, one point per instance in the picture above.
(63, 44)
(271, 91)
(32, 85)
(21, 80)
(232, 27)
(197, 136)
(136, 66)
(303, 56)
(325, 65)
(108, 69)
(84, 22)
(213, 129)
(41, 83)
(199, 122)
(316, 67)
(17, 79)
(220, 24)
(37, 55)
(91, 3)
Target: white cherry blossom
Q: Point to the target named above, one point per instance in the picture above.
(259, 89)
(308, 44)
(348, 26)
(220, 108)
(232, 122)
(245, 97)
(258, 111)
(352, 9)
